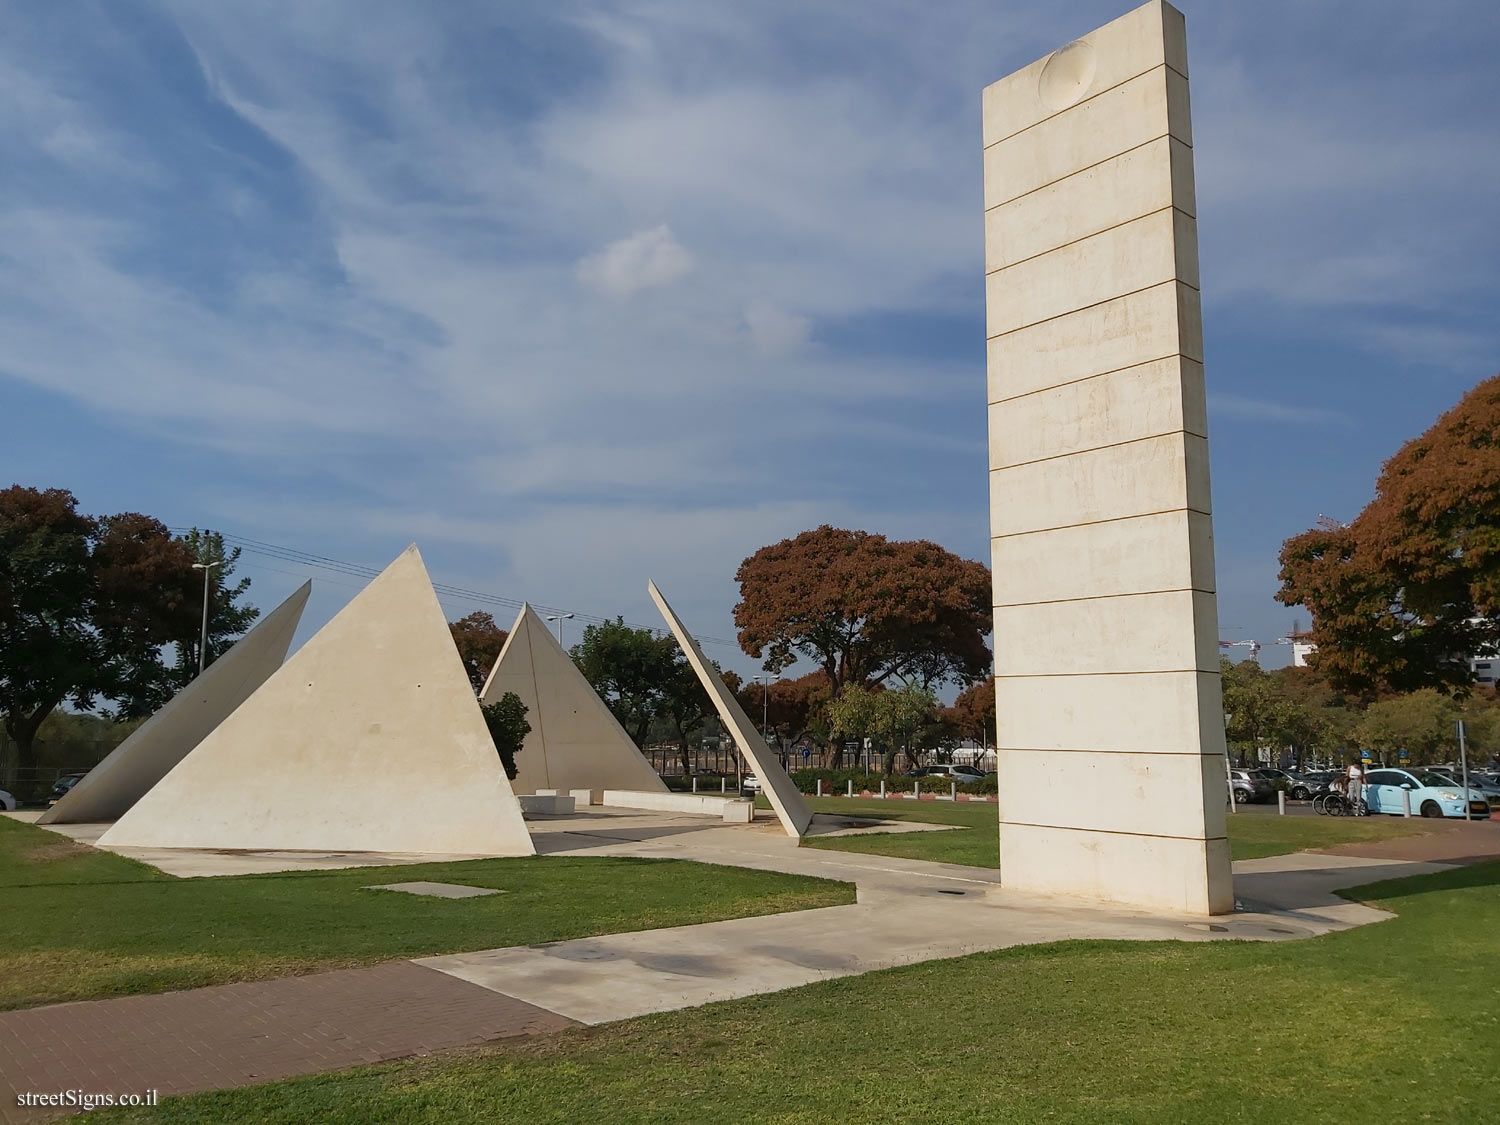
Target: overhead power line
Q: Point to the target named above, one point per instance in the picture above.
(455, 593)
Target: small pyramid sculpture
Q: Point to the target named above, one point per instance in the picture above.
(368, 739)
(791, 807)
(108, 790)
(575, 741)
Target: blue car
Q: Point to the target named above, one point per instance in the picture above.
(1430, 794)
(1477, 782)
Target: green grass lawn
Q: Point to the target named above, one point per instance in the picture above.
(1251, 835)
(977, 844)
(78, 923)
(1398, 1021)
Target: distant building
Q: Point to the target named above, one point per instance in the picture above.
(1484, 665)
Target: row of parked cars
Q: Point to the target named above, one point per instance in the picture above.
(1430, 791)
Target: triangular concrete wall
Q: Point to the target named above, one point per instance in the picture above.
(575, 740)
(109, 789)
(791, 807)
(368, 739)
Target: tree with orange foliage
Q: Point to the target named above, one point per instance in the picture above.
(863, 609)
(791, 708)
(479, 642)
(973, 712)
(1403, 594)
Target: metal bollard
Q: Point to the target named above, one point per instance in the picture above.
(820, 787)
(953, 791)
(695, 783)
(850, 791)
(916, 789)
(1281, 802)
(723, 785)
(882, 788)
(1406, 802)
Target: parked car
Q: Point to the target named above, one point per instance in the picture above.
(1430, 793)
(1486, 786)
(1296, 786)
(1299, 787)
(1248, 787)
(749, 785)
(957, 773)
(7, 802)
(62, 786)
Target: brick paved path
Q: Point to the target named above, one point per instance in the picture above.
(239, 1034)
(1447, 841)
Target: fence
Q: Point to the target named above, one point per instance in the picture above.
(57, 757)
(723, 761)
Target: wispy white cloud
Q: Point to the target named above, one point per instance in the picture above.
(1234, 406)
(775, 330)
(645, 260)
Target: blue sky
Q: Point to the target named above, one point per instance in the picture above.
(574, 295)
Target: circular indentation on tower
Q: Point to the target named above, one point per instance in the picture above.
(1067, 75)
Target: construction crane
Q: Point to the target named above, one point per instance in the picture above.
(1253, 646)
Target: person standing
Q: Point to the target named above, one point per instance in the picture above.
(1355, 789)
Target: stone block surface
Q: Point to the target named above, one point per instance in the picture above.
(1153, 324)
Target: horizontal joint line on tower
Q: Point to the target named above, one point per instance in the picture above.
(1150, 69)
(1086, 168)
(1110, 831)
(1104, 597)
(1091, 523)
(1095, 305)
(988, 273)
(1106, 672)
(1096, 750)
(1096, 375)
(1096, 448)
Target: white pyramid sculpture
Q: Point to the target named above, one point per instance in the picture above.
(575, 741)
(791, 807)
(109, 789)
(369, 739)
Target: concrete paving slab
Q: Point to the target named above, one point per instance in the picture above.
(436, 890)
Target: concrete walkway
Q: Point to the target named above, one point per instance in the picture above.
(907, 911)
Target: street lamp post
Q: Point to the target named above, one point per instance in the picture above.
(560, 618)
(203, 634)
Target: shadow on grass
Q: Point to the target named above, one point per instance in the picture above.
(1486, 874)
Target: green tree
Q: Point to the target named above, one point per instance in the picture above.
(889, 718)
(1256, 710)
(1405, 593)
(683, 702)
(627, 667)
(227, 619)
(506, 720)
(1420, 722)
(86, 606)
(863, 609)
(479, 641)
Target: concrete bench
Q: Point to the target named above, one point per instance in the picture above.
(733, 810)
(546, 804)
(582, 798)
